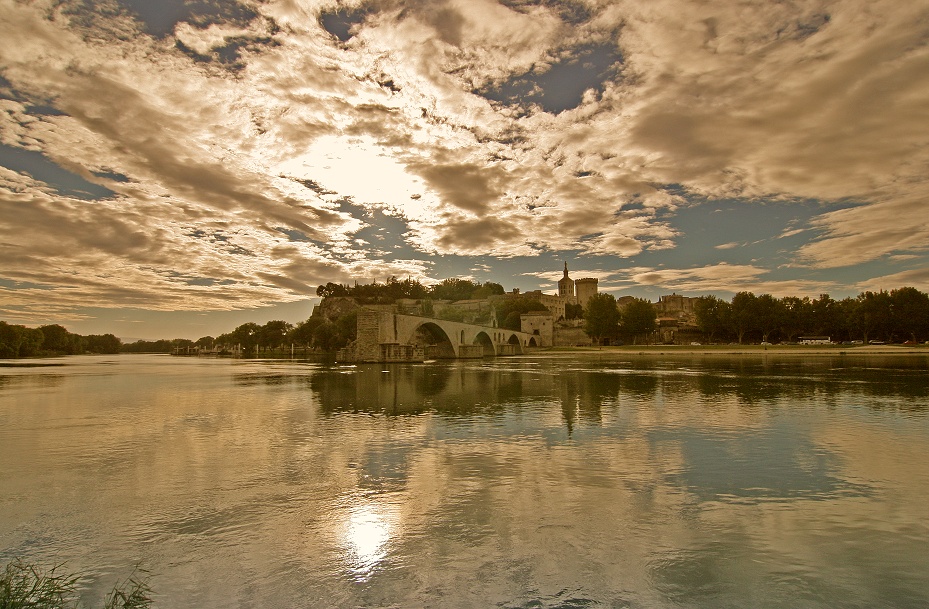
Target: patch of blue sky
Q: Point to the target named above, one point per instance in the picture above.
(36, 107)
(569, 11)
(381, 231)
(230, 54)
(208, 281)
(444, 267)
(112, 175)
(43, 169)
(736, 232)
(44, 110)
(293, 234)
(340, 23)
(160, 18)
(562, 85)
(849, 278)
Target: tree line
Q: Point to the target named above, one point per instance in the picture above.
(316, 333)
(896, 316)
(394, 289)
(606, 323)
(20, 341)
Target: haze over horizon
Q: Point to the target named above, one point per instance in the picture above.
(177, 168)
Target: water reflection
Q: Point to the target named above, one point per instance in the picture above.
(543, 481)
(367, 533)
(465, 389)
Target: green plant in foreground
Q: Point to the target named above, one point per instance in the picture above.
(130, 594)
(27, 586)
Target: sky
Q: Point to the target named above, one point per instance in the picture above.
(174, 168)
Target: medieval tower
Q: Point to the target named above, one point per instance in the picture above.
(566, 286)
(585, 288)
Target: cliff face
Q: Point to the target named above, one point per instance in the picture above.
(333, 307)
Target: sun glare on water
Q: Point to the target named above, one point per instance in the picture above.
(367, 534)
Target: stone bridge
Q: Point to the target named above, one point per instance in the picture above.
(387, 336)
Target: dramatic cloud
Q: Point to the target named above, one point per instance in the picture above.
(225, 155)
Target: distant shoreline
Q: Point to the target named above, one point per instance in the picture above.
(799, 350)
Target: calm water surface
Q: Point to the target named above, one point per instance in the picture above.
(548, 481)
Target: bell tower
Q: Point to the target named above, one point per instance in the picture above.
(566, 286)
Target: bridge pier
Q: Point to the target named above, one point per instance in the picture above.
(470, 351)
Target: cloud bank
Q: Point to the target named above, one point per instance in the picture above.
(238, 154)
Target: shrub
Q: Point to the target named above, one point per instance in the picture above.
(27, 586)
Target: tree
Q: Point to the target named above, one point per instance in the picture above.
(601, 318)
(509, 311)
(797, 316)
(324, 336)
(148, 346)
(206, 342)
(742, 319)
(826, 317)
(871, 315)
(842, 317)
(58, 340)
(31, 343)
(573, 311)
(410, 288)
(303, 333)
(769, 315)
(225, 341)
(909, 313)
(451, 314)
(102, 343)
(346, 329)
(487, 290)
(453, 289)
(638, 318)
(246, 336)
(273, 334)
(332, 289)
(712, 316)
(427, 307)
(11, 337)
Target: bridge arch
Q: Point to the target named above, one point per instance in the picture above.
(435, 341)
(514, 340)
(484, 341)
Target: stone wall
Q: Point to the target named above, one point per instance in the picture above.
(569, 335)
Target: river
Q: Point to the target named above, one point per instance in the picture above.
(553, 480)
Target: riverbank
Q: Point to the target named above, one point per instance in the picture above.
(800, 350)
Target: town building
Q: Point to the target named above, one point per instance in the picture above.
(675, 305)
(576, 291)
(540, 324)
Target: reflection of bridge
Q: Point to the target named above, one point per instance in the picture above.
(386, 336)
